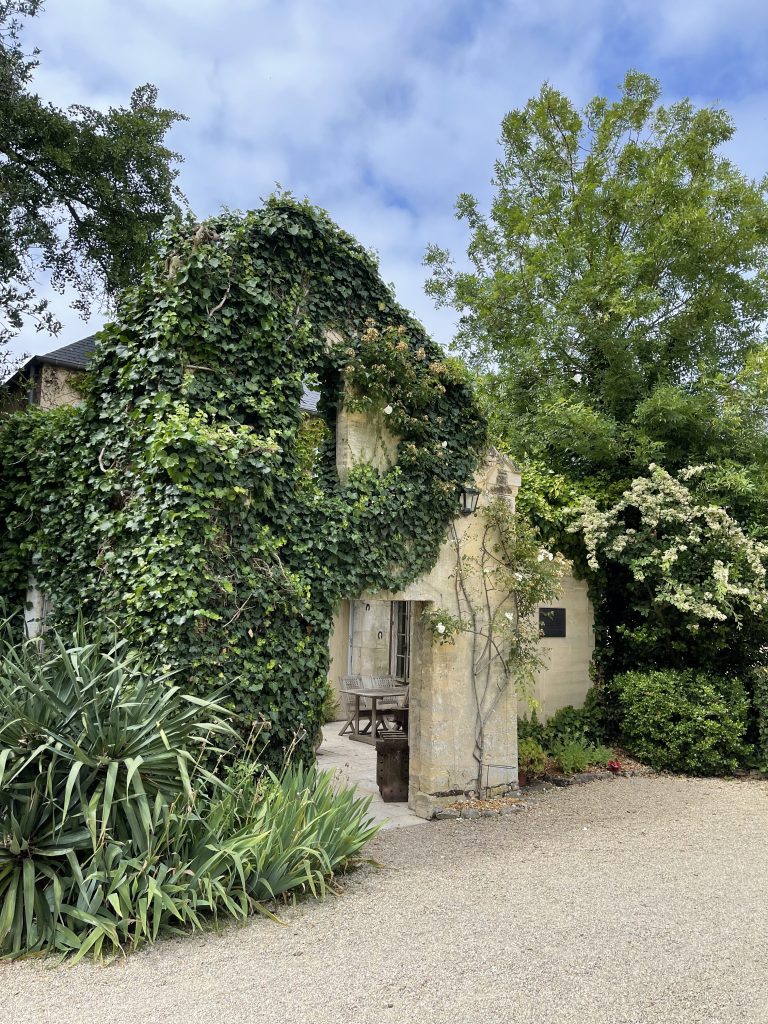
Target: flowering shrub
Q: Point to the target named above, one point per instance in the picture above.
(685, 565)
(443, 626)
(694, 557)
(684, 721)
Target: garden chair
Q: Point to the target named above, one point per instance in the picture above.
(348, 703)
(398, 705)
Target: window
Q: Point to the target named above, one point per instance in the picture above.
(400, 655)
(552, 621)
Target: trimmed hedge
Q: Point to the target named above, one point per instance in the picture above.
(684, 721)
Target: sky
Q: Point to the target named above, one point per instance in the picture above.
(384, 112)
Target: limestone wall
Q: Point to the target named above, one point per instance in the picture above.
(443, 711)
(363, 438)
(370, 635)
(56, 386)
(565, 680)
(443, 718)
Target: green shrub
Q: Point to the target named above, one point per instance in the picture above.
(565, 725)
(577, 755)
(684, 721)
(530, 728)
(531, 757)
(568, 723)
(111, 831)
(602, 713)
(760, 712)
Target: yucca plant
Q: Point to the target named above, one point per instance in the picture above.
(280, 834)
(112, 831)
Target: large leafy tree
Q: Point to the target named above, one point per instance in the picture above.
(617, 290)
(82, 193)
(614, 302)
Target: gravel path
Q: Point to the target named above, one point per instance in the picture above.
(632, 901)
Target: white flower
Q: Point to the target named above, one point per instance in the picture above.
(445, 444)
(440, 627)
(577, 378)
(540, 557)
(388, 410)
(509, 615)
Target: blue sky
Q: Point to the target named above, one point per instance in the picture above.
(383, 112)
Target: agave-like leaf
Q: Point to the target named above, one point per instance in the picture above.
(113, 833)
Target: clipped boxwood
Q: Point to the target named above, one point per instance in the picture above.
(684, 721)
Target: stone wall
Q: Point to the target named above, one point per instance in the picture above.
(56, 386)
(370, 637)
(363, 438)
(443, 715)
(565, 680)
(443, 718)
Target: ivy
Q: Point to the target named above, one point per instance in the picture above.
(188, 499)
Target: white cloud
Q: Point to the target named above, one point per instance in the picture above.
(381, 112)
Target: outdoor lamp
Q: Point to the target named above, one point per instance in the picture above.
(469, 496)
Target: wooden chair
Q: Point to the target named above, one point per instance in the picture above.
(348, 703)
(386, 683)
(397, 706)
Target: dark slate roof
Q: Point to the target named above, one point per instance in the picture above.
(72, 357)
(77, 355)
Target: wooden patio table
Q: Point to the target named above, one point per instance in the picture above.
(381, 693)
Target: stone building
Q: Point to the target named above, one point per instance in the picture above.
(387, 633)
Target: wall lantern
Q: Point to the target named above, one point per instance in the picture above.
(468, 497)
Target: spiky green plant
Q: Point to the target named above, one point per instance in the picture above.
(111, 830)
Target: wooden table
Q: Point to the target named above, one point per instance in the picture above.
(377, 714)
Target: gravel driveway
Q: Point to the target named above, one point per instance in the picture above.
(631, 901)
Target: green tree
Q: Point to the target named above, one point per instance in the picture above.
(82, 193)
(614, 302)
(617, 290)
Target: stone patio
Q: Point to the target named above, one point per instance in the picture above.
(355, 763)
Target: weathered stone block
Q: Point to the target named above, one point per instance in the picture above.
(444, 813)
(423, 805)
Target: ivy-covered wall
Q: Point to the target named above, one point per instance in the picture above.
(189, 500)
